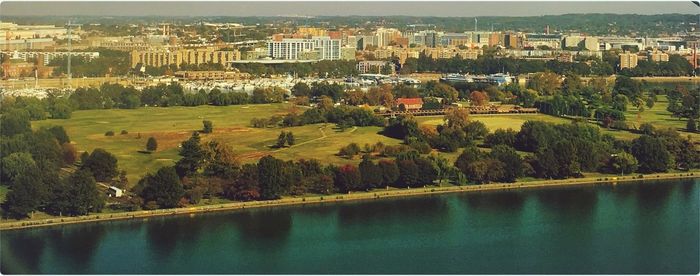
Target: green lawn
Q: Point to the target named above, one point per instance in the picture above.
(170, 126)
(658, 116)
(3, 192)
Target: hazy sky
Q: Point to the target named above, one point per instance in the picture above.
(240, 8)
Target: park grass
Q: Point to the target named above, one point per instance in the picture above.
(170, 126)
(3, 192)
(659, 117)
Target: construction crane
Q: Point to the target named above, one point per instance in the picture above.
(69, 27)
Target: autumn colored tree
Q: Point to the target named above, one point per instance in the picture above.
(456, 117)
(348, 178)
(478, 98)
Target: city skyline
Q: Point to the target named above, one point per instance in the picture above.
(330, 8)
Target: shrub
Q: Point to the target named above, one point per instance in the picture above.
(124, 132)
(109, 133)
(350, 150)
(208, 126)
(621, 125)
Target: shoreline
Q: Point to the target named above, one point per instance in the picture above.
(356, 196)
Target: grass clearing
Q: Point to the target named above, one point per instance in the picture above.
(170, 126)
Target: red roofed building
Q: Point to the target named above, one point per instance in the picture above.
(409, 103)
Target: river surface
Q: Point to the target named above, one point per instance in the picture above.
(652, 227)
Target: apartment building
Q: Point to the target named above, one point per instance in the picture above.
(628, 60)
(161, 57)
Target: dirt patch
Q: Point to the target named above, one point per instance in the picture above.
(231, 130)
(255, 155)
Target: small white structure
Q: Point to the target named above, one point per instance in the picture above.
(115, 192)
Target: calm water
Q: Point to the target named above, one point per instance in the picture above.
(641, 228)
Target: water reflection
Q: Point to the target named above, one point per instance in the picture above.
(418, 209)
(21, 253)
(165, 234)
(262, 228)
(76, 246)
(573, 203)
(653, 196)
(496, 201)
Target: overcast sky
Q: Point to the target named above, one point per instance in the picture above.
(240, 8)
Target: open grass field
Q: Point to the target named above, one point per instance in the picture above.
(170, 126)
(659, 117)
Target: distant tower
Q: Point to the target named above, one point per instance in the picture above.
(475, 24)
(546, 29)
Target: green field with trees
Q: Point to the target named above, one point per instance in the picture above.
(170, 148)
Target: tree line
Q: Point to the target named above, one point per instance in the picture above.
(44, 172)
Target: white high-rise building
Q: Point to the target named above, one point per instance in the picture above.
(328, 48)
(290, 48)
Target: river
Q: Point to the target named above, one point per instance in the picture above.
(651, 227)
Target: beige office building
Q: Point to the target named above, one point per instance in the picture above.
(657, 56)
(158, 58)
(628, 60)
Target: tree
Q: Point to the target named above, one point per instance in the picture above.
(220, 161)
(70, 154)
(475, 130)
(60, 134)
(511, 162)
(60, 108)
(301, 89)
(16, 164)
(281, 139)
(647, 128)
(456, 117)
(164, 188)
(546, 83)
(691, 125)
(151, 144)
(24, 197)
(623, 163)
(651, 153)
(478, 98)
(620, 102)
(427, 171)
(627, 86)
(390, 171)
(102, 165)
(485, 171)
(271, 177)
(469, 155)
(501, 137)
(290, 139)
(208, 126)
(80, 195)
(441, 90)
(650, 102)
(408, 173)
(192, 156)
(371, 173)
(348, 178)
(15, 121)
(350, 150)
